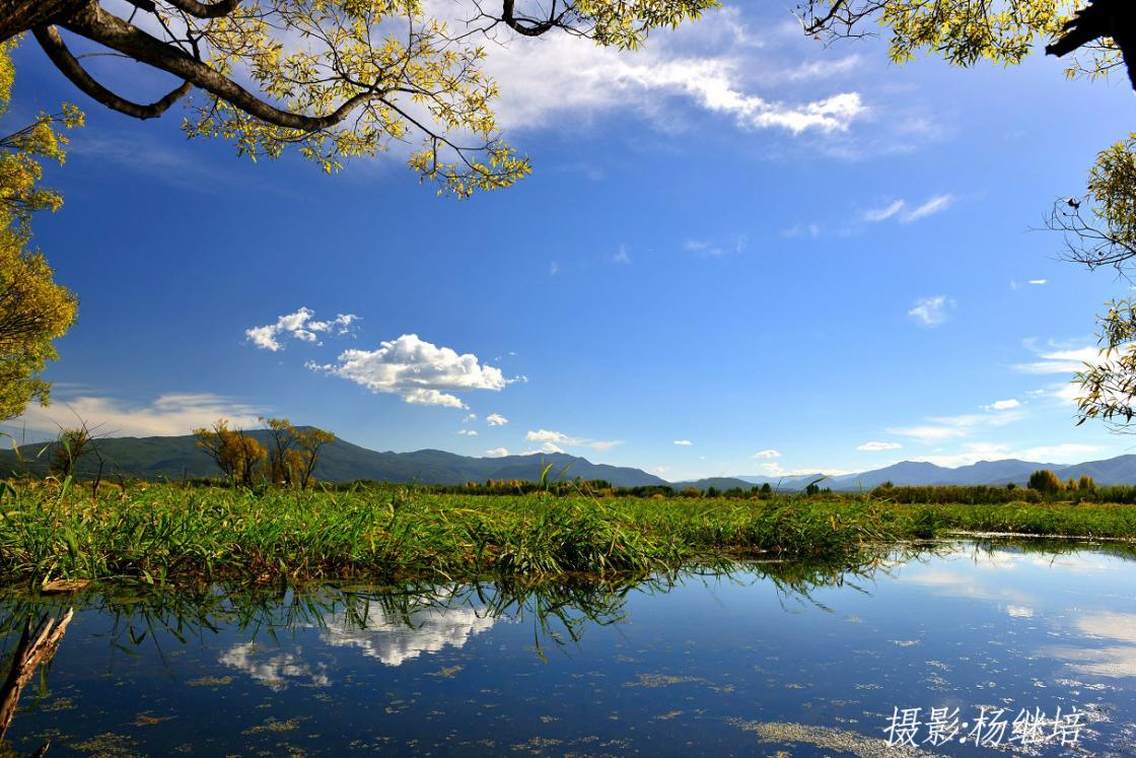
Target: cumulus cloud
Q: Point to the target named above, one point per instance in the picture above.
(684, 443)
(417, 371)
(496, 419)
(497, 452)
(875, 447)
(767, 454)
(467, 432)
(299, 325)
(169, 414)
(555, 442)
(931, 311)
(1003, 405)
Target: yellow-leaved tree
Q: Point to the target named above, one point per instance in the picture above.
(34, 309)
(333, 78)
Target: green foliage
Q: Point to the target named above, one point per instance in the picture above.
(236, 454)
(1045, 482)
(34, 309)
(169, 533)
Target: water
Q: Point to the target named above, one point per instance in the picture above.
(766, 659)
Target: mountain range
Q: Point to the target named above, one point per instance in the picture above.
(341, 461)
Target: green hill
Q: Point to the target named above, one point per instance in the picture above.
(177, 457)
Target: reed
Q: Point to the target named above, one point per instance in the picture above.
(163, 533)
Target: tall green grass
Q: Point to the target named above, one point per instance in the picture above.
(164, 533)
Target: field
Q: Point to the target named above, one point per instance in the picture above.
(165, 533)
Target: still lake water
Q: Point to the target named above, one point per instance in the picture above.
(753, 663)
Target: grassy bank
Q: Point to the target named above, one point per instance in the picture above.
(169, 533)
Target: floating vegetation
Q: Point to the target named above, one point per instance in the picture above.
(828, 738)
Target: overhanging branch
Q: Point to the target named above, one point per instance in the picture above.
(53, 45)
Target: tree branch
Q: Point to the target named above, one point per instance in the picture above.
(99, 26)
(52, 43)
(206, 10)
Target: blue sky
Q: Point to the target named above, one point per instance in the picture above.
(790, 256)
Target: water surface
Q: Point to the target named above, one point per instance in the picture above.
(761, 660)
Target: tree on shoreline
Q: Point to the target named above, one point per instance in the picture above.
(237, 455)
(34, 309)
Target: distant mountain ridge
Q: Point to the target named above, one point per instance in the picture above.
(341, 461)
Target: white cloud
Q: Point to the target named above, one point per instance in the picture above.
(1003, 405)
(875, 447)
(299, 325)
(928, 433)
(621, 256)
(497, 452)
(416, 370)
(553, 268)
(1067, 361)
(169, 414)
(542, 80)
(555, 442)
(1065, 452)
(931, 311)
(937, 204)
(775, 469)
(767, 454)
(545, 435)
(973, 452)
(684, 443)
(883, 214)
(1037, 282)
(811, 230)
(496, 419)
(702, 247)
(895, 210)
(467, 432)
(942, 428)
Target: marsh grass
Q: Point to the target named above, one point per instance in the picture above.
(166, 533)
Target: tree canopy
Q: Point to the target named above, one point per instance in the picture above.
(34, 309)
(334, 79)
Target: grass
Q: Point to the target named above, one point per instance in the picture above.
(169, 534)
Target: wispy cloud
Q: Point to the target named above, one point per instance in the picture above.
(883, 214)
(767, 454)
(931, 311)
(684, 443)
(172, 413)
(1063, 361)
(876, 447)
(555, 442)
(902, 211)
(621, 256)
(706, 65)
(937, 204)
